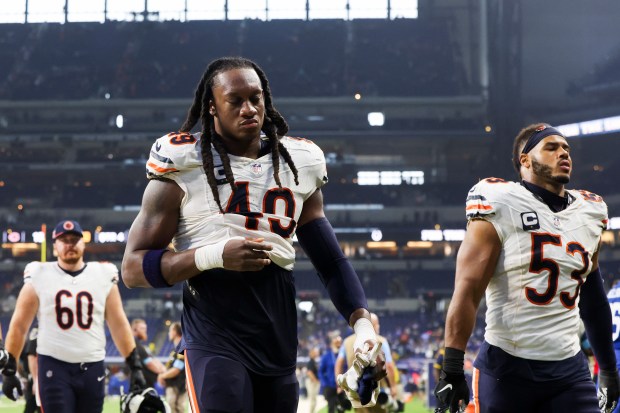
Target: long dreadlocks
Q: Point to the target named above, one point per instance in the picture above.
(274, 125)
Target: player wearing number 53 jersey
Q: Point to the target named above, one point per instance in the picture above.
(71, 299)
(533, 247)
(231, 199)
(614, 302)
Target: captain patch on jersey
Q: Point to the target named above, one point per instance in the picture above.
(533, 295)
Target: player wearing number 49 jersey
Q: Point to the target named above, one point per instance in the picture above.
(533, 247)
(71, 299)
(231, 199)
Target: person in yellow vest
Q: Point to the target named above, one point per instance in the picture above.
(346, 356)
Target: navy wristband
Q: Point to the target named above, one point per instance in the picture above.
(453, 361)
(151, 267)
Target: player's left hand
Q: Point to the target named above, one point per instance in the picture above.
(360, 382)
(136, 375)
(136, 379)
(452, 393)
(11, 385)
(4, 356)
(608, 390)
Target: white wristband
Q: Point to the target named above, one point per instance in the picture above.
(210, 256)
(364, 331)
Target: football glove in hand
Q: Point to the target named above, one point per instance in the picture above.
(359, 382)
(608, 390)
(4, 356)
(11, 385)
(452, 393)
(136, 375)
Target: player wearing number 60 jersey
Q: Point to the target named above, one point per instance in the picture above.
(533, 247)
(71, 300)
(230, 199)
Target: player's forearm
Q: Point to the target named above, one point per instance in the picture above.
(390, 374)
(174, 267)
(460, 322)
(33, 366)
(121, 334)
(170, 374)
(338, 366)
(15, 338)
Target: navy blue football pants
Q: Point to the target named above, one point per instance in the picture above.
(217, 384)
(492, 395)
(617, 409)
(70, 387)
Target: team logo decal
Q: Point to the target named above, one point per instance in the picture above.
(68, 226)
(541, 128)
(530, 221)
(257, 168)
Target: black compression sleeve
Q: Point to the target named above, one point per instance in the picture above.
(318, 240)
(596, 316)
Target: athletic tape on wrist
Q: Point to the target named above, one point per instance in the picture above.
(210, 256)
(364, 331)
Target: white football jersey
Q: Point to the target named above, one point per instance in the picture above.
(71, 311)
(533, 296)
(258, 209)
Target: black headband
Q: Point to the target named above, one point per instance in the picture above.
(539, 134)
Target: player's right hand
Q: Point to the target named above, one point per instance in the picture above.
(452, 393)
(11, 385)
(608, 390)
(249, 254)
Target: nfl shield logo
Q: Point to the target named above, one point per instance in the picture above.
(556, 222)
(257, 168)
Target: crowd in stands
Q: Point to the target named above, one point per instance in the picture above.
(162, 59)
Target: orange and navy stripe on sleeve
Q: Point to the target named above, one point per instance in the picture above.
(477, 205)
(158, 165)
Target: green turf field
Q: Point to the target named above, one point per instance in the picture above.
(112, 406)
(7, 406)
(415, 406)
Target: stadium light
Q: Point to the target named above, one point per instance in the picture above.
(591, 127)
(376, 119)
(119, 121)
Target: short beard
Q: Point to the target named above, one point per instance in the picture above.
(544, 171)
(71, 261)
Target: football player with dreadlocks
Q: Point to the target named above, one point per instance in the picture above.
(230, 198)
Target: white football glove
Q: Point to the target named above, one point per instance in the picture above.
(348, 380)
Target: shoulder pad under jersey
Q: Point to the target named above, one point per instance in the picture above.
(172, 153)
(484, 198)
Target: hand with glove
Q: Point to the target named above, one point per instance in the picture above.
(11, 385)
(452, 391)
(136, 375)
(360, 382)
(4, 355)
(608, 390)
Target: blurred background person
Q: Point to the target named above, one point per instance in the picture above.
(173, 378)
